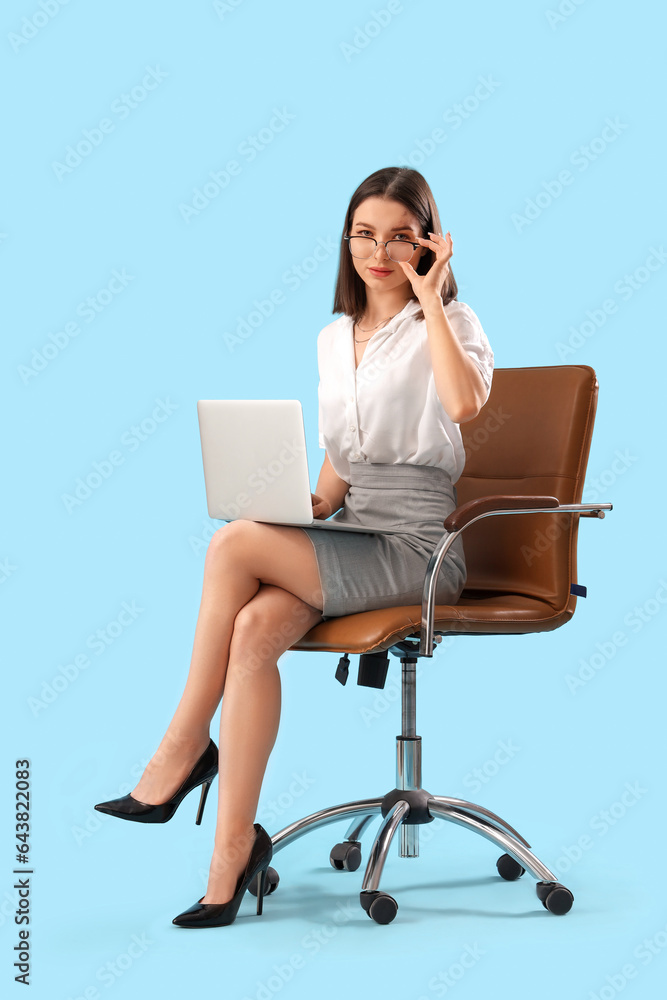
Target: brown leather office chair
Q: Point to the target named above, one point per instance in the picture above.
(519, 508)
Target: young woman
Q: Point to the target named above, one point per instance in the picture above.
(401, 368)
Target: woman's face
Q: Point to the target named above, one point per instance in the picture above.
(384, 219)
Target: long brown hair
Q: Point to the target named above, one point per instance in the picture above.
(411, 189)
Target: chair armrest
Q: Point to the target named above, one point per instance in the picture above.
(467, 514)
(495, 504)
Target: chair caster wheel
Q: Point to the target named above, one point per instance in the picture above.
(346, 857)
(554, 897)
(270, 883)
(380, 906)
(508, 868)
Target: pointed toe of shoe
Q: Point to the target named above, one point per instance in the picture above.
(127, 807)
(203, 773)
(196, 915)
(109, 807)
(221, 914)
(209, 914)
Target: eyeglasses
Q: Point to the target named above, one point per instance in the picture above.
(365, 246)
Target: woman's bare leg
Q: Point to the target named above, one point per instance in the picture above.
(263, 630)
(241, 556)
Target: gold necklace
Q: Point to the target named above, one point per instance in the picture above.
(383, 322)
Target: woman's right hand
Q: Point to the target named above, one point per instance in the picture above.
(321, 507)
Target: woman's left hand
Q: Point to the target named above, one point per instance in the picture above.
(428, 286)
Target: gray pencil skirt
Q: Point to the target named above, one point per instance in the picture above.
(366, 571)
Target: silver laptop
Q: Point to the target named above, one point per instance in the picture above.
(255, 463)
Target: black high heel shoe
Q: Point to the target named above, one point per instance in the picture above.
(203, 773)
(220, 914)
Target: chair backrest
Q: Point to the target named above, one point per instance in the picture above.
(532, 437)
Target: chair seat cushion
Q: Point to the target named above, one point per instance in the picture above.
(477, 613)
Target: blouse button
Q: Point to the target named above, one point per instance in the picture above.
(352, 427)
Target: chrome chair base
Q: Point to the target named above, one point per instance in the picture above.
(405, 809)
(381, 906)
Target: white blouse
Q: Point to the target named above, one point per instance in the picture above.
(387, 409)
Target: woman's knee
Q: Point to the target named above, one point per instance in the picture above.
(280, 556)
(231, 542)
(271, 622)
(232, 534)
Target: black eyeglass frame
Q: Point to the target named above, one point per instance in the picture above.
(379, 243)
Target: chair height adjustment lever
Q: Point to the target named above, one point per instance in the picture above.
(343, 668)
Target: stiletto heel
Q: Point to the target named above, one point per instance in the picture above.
(202, 801)
(203, 773)
(220, 914)
(261, 882)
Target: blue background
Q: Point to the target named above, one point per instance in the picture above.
(356, 96)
